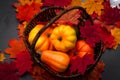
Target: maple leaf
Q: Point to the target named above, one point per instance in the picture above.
(8, 71)
(90, 33)
(16, 5)
(21, 28)
(39, 74)
(2, 57)
(26, 12)
(93, 6)
(38, 1)
(95, 16)
(23, 62)
(110, 15)
(70, 17)
(108, 27)
(95, 74)
(23, 2)
(15, 46)
(116, 33)
(80, 64)
(75, 3)
(61, 3)
(107, 38)
(117, 24)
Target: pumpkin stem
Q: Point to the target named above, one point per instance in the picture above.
(48, 35)
(39, 52)
(75, 53)
(60, 38)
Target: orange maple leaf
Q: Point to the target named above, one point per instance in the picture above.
(21, 28)
(75, 3)
(26, 12)
(15, 46)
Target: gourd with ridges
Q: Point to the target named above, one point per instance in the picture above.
(43, 42)
(63, 38)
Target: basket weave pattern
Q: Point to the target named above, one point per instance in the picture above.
(49, 15)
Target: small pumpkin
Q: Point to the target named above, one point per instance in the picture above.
(63, 37)
(57, 61)
(82, 48)
(81, 57)
(43, 42)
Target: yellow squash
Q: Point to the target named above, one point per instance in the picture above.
(63, 37)
(43, 42)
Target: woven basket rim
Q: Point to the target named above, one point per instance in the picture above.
(31, 49)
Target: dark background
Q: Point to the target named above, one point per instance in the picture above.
(8, 30)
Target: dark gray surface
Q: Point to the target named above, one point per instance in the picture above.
(8, 26)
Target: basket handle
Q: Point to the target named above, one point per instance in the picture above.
(84, 17)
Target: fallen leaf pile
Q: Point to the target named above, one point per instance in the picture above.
(105, 28)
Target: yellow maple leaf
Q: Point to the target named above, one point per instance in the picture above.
(2, 57)
(92, 6)
(75, 3)
(23, 2)
(116, 33)
(38, 1)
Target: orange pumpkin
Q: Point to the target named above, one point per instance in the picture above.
(82, 48)
(43, 42)
(57, 61)
(63, 38)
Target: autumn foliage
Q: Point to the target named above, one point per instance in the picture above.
(105, 28)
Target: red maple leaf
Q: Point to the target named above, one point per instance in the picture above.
(61, 3)
(118, 24)
(95, 74)
(8, 71)
(80, 64)
(23, 62)
(40, 74)
(110, 15)
(107, 38)
(15, 46)
(90, 33)
(26, 12)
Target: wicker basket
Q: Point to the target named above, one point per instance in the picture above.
(50, 15)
